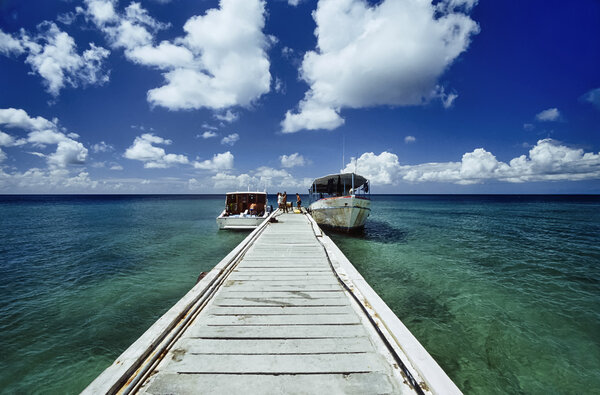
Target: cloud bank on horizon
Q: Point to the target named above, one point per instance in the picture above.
(217, 70)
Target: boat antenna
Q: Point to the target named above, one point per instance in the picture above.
(343, 152)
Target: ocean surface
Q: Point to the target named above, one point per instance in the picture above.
(503, 291)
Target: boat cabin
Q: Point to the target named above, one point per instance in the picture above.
(252, 203)
(344, 184)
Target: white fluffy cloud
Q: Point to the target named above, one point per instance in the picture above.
(50, 180)
(548, 160)
(42, 133)
(143, 150)
(263, 177)
(230, 139)
(292, 160)
(549, 115)
(220, 62)
(389, 54)
(230, 66)
(53, 55)
(10, 45)
(218, 162)
(208, 134)
(229, 116)
(129, 30)
(6, 140)
(102, 147)
(18, 118)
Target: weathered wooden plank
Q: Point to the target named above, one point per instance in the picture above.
(273, 346)
(307, 295)
(278, 332)
(279, 279)
(274, 302)
(334, 319)
(355, 383)
(276, 363)
(284, 270)
(279, 276)
(288, 287)
(278, 310)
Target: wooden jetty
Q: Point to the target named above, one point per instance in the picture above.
(284, 312)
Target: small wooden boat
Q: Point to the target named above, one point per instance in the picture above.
(244, 210)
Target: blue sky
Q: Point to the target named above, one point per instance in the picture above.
(176, 96)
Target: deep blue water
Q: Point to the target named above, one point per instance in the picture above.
(504, 291)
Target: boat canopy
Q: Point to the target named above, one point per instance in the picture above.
(337, 184)
(240, 202)
(246, 193)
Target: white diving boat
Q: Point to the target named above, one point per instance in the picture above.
(244, 210)
(340, 201)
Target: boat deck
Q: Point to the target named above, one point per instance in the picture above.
(285, 315)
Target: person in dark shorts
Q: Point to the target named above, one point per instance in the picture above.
(298, 201)
(284, 201)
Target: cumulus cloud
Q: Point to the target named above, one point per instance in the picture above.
(129, 30)
(230, 139)
(593, 97)
(292, 160)
(10, 45)
(410, 139)
(260, 178)
(230, 65)
(46, 180)
(6, 140)
(102, 147)
(43, 133)
(18, 118)
(144, 150)
(220, 62)
(548, 160)
(229, 116)
(52, 54)
(208, 134)
(389, 54)
(549, 115)
(222, 161)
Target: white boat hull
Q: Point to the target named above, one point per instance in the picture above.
(239, 222)
(345, 212)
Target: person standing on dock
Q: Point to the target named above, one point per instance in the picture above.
(280, 200)
(284, 201)
(298, 201)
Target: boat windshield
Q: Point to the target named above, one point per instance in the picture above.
(245, 203)
(339, 185)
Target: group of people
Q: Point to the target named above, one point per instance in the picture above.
(282, 201)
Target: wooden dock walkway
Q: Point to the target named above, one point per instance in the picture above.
(285, 312)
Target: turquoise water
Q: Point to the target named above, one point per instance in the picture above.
(503, 291)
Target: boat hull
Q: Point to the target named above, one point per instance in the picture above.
(346, 213)
(236, 222)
